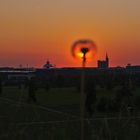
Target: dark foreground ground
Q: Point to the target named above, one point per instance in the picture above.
(56, 116)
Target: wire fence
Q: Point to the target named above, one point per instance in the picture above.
(102, 129)
(58, 125)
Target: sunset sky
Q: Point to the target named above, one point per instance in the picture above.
(32, 31)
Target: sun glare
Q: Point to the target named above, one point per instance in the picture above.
(80, 54)
(81, 44)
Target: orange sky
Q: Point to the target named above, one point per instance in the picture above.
(32, 31)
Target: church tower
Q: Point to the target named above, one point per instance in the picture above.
(104, 64)
(107, 61)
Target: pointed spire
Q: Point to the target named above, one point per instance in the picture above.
(107, 60)
(107, 56)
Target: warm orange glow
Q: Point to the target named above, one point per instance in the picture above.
(78, 47)
(80, 54)
(88, 55)
(33, 31)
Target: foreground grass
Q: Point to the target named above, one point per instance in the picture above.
(56, 117)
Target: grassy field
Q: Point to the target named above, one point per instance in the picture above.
(56, 116)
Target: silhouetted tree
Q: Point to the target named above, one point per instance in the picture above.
(60, 81)
(31, 90)
(124, 98)
(90, 90)
(1, 87)
(102, 104)
(47, 86)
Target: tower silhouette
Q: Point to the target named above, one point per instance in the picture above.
(107, 60)
(104, 64)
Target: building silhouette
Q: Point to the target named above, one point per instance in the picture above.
(104, 64)
(48, 65)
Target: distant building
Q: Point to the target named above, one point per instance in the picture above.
(104, 64)
(133, 69)
(48, 65)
